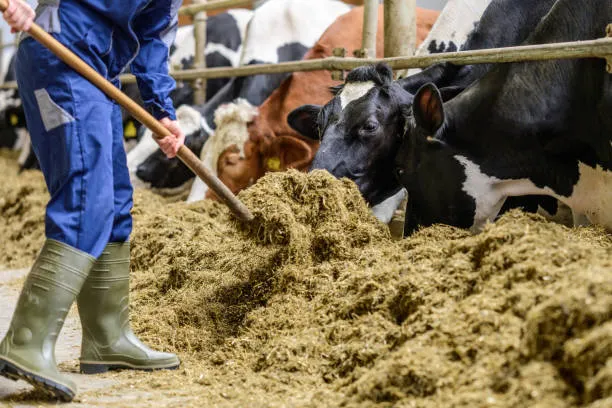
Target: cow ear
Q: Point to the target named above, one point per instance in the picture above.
(428, 109)
(304, 120)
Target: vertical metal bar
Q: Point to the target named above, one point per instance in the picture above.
(2, 52)
(199, 31)
(370, 26)
(400, 28)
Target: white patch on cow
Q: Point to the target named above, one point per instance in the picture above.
(591, 196)
(23, 143)
(185, 42)
(7, 53)
(454, 23)
(385, 210)
(185, 47)
(481, 188)
(189, 119)
(145, 147)
(231, 120)
(353, 91)
(23, 139)
(8, 99)
(232, 56)
(280, 22)
(243, 18)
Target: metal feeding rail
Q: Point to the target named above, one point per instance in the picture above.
(213, 5)
(600, 48)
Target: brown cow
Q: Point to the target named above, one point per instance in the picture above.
(273, 145)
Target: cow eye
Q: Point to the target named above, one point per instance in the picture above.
(370, 126)
(399, 172)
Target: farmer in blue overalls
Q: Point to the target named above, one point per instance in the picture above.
(77, 135)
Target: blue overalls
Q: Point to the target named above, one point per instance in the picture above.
(76, 130)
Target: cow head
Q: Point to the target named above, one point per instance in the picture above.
(238, 169)
(163, 172)
(358, 130)
(270, 144)
(429, 169)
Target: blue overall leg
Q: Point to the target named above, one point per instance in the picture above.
(71, 125)
(123, 190)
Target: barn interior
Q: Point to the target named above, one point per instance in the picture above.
(316, 302)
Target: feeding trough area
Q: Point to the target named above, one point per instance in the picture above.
(286, 286)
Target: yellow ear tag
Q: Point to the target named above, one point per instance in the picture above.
(129, 130)
(273, 163)
(14, 119)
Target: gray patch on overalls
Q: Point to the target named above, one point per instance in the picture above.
(52, 114)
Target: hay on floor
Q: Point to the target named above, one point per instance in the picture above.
(313, 303)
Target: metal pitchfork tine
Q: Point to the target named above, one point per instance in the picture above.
(184, 154)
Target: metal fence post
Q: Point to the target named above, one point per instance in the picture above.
(400, 28)
(199, 31)
(370, 26)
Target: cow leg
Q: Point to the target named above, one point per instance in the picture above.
(580, 220)
(385, 210)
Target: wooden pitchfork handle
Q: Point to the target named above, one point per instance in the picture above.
(184, 154)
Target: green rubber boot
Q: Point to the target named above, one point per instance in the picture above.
(108, 340)
(28, 349)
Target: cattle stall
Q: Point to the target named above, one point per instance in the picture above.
(599, 48)
(398, 54)
(315, 304)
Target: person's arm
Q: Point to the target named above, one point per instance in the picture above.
(156, 29)
(19, 15)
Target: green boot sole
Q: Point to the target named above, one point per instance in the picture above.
(96, 367)
(52, 388)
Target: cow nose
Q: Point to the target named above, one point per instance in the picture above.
(144, 173)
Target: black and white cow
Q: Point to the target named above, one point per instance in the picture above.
(11, 112)
(523, 129)
(13, 132)
(357, 128)
(277, 32)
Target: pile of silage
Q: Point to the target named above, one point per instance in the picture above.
(23, 197)
(314, 304)
(200, 272)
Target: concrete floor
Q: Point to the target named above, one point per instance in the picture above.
(68, 344)
(116, 389)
